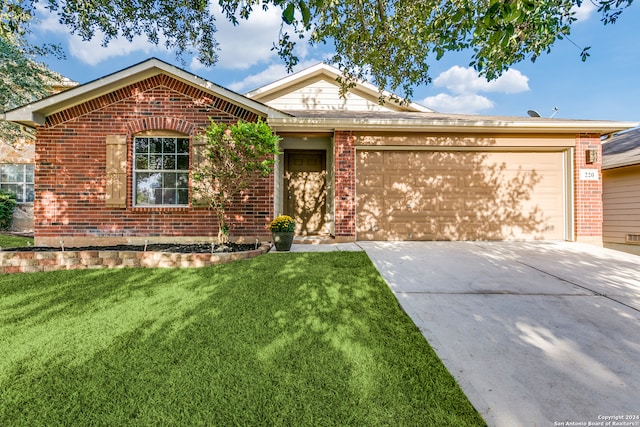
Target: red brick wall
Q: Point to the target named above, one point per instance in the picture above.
(71, 156)
(588, 194)
(345, 184)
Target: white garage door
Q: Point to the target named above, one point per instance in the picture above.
(460, 195)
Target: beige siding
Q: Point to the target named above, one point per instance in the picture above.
(621, 198)
(323, 94)
(459, 195)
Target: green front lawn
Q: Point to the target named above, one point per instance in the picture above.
(283, 339)
(10, 241)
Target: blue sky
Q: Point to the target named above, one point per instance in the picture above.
(605, 87)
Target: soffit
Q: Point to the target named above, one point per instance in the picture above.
(329, 121)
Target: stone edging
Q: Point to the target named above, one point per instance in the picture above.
(29, 262)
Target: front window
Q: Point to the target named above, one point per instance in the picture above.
(18, 179)
(161, 173)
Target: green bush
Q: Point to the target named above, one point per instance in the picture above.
(7, 205)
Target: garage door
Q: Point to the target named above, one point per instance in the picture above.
(448, 195)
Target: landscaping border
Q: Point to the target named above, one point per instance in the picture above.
(31, 262)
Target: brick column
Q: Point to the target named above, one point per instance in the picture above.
(588, 193)
(345, 185)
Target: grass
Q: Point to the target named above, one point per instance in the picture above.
(9, 241)
(283, 339)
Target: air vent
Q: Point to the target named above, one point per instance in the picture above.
(633, 238)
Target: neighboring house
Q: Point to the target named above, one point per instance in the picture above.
(17, 167)
(621, 191)
(16, 176)
(113, 161)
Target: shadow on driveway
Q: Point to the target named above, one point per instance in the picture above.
(536, 333)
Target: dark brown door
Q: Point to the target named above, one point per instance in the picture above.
(305, 190)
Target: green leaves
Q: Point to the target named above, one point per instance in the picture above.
(22, 78)
(389, 42)
(288, 13)
(235, 156)
(393, 42)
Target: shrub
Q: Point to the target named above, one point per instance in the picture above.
(234, 156)
(7, 205)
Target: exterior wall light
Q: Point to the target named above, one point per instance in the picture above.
(591, 156)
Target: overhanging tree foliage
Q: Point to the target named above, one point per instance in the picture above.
(231, 159)
(22, 78)
(390, 42)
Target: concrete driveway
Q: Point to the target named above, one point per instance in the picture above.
(536, 333)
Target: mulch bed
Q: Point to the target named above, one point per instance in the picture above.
(156, 247)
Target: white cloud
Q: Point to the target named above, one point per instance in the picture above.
(583, 12)
(249, 42)
(270, 74)
(465, 85)
(466, 80)
(92, 52)
(241, 46)
(463, 104)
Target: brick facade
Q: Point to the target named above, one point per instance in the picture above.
(588, 193)
(72, 184)
(71, 172)
(345, 185)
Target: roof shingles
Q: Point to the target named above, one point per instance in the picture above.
(622, 150)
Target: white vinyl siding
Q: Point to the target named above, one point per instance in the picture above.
(324, 95)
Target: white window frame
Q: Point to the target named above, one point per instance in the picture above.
(182, 156)
(26, 184)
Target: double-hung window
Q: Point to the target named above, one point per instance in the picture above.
(161, 173)
(18, 179)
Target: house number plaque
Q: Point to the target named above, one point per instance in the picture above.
(589, 175)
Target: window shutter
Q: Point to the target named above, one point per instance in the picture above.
(198, 159)
(116, 191)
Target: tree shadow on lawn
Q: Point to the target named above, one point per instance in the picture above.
(304, 339)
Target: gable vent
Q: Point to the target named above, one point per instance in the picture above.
(633, 238)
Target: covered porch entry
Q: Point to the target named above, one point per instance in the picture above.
(304, 184)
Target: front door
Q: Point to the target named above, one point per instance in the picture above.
(306, 190)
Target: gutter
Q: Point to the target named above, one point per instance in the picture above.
(298, 124)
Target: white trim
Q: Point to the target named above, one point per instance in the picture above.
(434, 122)
(569, 189)
(136, 171)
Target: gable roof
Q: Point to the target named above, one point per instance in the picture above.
(411, 118)
(34, 114)
(622, 150)
(316, 88)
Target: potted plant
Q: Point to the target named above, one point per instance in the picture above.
(282, 228)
